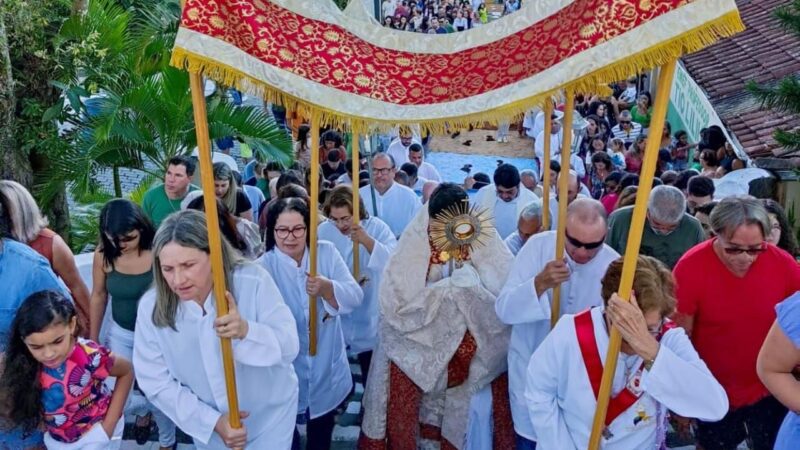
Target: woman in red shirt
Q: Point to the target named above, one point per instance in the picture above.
(728, 287)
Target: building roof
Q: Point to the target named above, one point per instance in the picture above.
(764, 52)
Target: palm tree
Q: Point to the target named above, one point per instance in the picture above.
(141, 112)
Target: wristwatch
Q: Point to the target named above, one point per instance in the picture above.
(649, 364)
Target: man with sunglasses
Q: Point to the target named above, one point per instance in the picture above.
(727, 290)
(668, 232)
(626, 129)
(524, 302)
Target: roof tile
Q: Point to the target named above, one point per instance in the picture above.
(764, 52)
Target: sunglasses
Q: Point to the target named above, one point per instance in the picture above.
(734, 251)
(624, 122)
(587, 245)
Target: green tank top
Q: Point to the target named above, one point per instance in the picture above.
(125, 291)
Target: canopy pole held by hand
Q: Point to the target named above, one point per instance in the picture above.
(563, 188)
(545, 169)
(312, 244)
(214, 240)
(634, 242)
(354, 160)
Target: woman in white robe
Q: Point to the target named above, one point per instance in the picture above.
(657, 369)
(325, 380)
(177, 350)
(376, 243)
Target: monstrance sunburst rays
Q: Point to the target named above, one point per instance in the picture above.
(460, 228)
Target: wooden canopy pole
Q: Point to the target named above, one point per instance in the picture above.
(563, 187)
(312, 243)
(356, 204)
(545, 169)
(214, 241)
(634, 242)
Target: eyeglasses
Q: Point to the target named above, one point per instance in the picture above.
(657, 330)
(341, 220)
(587, 245)
(734, 251)
(383, 171)
(297, 232)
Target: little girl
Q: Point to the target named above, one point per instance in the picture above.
(54, 378)
(617, 153)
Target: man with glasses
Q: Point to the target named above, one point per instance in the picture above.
(399, 147)
(626, 129)
(505, 199)
(395, 204)
(727, 290)
(669, 231)
(524, 302)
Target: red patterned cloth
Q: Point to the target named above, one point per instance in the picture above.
(328, 54)
(402, 425)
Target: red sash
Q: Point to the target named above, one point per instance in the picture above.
(584, 329)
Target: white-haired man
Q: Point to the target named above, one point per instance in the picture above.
(668, 233)
(529, 223)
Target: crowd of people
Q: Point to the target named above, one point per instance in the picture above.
(438, 16)
(455, 349)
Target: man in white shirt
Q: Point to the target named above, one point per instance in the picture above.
(657, 369)
(529, 223)
(533, 123)
(389, 7)
(396, 205)
(398, 149)
(575, 189)
(530, 180)
(556, 139)
(626, 129)
(524, 302)
(415, 182)
(505, 199)
(425, 169)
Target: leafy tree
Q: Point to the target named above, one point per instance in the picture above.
(785, 95)
(27, 28)
(125, 106)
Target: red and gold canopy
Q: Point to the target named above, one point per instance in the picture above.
(309, 54)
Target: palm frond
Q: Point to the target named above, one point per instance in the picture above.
(137, 194)
(785, 96)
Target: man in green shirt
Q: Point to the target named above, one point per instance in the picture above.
(668, 232)
(164, 199)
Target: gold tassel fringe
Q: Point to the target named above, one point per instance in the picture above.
(595, 82)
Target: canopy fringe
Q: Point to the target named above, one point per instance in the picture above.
(691, 41)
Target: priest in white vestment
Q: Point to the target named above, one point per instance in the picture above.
(425, 169)
(658, 370)
(439, 344)
(398, 148)
(376, 244)
(177, 346)
(505, 199)
(396, 204)
(525, 300)
(530, 222)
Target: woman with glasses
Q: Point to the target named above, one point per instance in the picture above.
(123, 270)
(728, 287)
(325, 379)
(657, 369)
(376, 243)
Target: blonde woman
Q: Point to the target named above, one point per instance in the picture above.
(177, 354)
(228, 191)
(29, 226)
